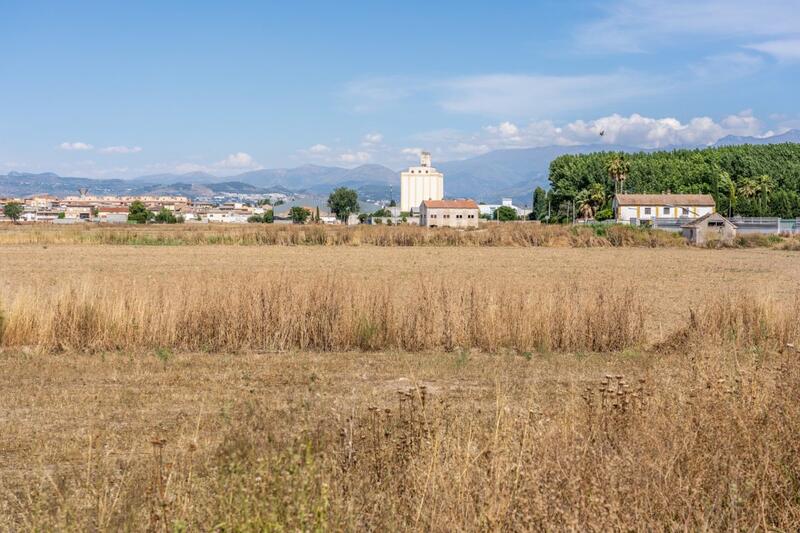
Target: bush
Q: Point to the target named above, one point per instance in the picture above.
(604, 214)
(165, 216)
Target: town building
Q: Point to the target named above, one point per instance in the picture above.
(420, 183)
(112, 215)
(645, 208)
(712, 227)
(449, 214)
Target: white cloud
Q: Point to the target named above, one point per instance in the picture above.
(372, 138)
(505, 129)
(786, 50)
(416, 152)
(636, 131)
(121, 150)
(239, 160)
(319, 149)
(354, 157)
(75, 146)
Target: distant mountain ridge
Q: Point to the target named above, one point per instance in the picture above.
(791, 136)
(501, 173)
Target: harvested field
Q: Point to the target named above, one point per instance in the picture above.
(389, 388)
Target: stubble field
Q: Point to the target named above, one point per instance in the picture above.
(381, 388)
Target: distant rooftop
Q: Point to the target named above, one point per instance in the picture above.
(450, 204)
(705, 200)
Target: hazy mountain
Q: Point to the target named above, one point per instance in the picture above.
(791, 136)
(188, 177)
(308, 176)
(488, 177)
(25, 184)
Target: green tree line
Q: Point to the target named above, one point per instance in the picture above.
(747, 180)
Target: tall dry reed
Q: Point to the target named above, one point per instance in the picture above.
(277, 313)
(521, 234)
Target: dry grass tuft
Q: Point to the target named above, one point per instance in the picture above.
(507, 234)
(267, 313)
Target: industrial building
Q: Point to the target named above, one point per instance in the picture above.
(420, 183)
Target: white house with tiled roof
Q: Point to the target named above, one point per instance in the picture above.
(639, 207)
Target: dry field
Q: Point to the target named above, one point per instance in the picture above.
(384, 388)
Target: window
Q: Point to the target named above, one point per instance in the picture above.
(433, 216)
(647, 210)
(666, 210)
(715, 223)
(447, 216)
(459, 216)
(470, 216)
(685, 211)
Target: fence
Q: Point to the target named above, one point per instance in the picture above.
(744, 225)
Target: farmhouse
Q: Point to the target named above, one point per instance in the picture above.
(449, 213)
(635, 208)
(709, 228)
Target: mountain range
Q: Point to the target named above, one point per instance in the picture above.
(501, 173)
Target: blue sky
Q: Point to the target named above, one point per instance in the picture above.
(113, 89)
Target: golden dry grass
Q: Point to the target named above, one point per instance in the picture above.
(492, 234)
(673, 403)
(395, 441)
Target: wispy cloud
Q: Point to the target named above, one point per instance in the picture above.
(75, 146)
(121, 150)
(371, 93)
(355, 157)
(512, 95)
(539, 95)
(786, 50)
(641, 25)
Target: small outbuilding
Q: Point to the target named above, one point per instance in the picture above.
(712, 227)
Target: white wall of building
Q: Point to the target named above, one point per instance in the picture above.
(420, 183)
(641, 212)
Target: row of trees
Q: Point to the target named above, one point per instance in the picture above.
(748, 180)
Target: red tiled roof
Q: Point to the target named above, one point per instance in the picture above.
(450, 204)
(705, 200)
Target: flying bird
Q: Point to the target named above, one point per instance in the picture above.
(602, 132)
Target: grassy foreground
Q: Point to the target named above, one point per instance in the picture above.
(398, 388)
(704, 439)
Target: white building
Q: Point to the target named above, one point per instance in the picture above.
(639, 207)
(421, 183)
(489, 209)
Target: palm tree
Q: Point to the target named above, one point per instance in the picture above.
(766, 184)
(597, 193)
(725, 183)
(618, 169)
(748, 187)
(584, 203)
